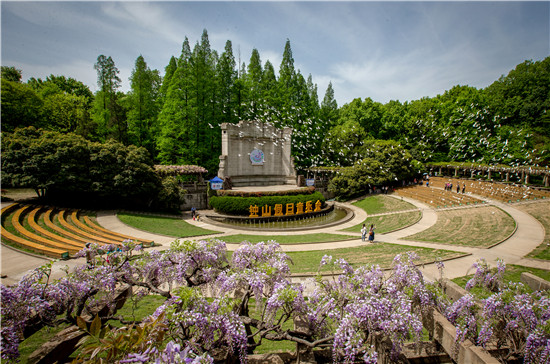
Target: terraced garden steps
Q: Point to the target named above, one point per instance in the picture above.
(56, 233)
(34, 225)
(28, 244)
(16, 222)
(436, 197)
(497, 191)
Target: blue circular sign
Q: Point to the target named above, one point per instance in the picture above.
(257, 156)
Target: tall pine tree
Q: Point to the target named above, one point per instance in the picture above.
(143, 103)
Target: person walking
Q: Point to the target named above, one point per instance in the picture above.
(371, 233)
(457, 187)
(363, 232)
(463, 188)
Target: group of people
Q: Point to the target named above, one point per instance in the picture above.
(194, 214)
(449, 187)
(370, 232)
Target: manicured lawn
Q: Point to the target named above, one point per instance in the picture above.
(377, 253)
(475, 227)
(539, 211)
(379, 204)
(163, 225)
(138, 310)
(287, 239)
(388, 223)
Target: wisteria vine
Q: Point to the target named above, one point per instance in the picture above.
(220, 309)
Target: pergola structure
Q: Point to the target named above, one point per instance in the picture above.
(181, 170)
(473, 169)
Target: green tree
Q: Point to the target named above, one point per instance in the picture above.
(62, 84)
(66, 105)
(382, 163)
(21, 106)
(522, 100)
(11, 73)
(343, 142)
(175, 118)
(329, 107)
(367, 113)
(227, 77)
(71, 168)
(107, 112)
(169, 71)
(253, 83)
(143, 105)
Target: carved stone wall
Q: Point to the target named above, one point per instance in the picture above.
(256, 154)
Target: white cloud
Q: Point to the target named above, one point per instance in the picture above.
(139, 19)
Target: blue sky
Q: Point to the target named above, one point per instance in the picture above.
(382, 50)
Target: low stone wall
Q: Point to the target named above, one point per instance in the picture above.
(534, 282)
(196, 196)
(465, 352)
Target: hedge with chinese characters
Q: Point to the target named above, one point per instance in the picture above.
(241, 205)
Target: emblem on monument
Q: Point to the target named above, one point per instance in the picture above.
(257, 157)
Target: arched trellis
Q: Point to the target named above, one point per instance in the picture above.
(181, 170)
(473, 169)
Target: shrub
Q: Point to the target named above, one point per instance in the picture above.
(241, 205)
(296, 191)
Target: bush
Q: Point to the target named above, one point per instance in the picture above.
(241, 205)
(297, 191)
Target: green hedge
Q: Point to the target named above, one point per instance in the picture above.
(296, 191)
(241, 205)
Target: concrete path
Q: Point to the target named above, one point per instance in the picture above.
(528, 236)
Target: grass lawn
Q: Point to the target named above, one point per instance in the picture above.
(388, 223)
(476, 227)
(512, 274)
(378, 253)
(539, 211)
(33, 342)
(163, 225)
(287, 239)
(379, 204)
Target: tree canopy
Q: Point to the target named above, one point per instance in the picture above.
(177, 116)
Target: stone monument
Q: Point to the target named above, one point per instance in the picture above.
(256, 154)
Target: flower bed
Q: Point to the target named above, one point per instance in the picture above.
(234, 205)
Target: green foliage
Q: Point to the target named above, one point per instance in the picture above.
(241, 205)
(172, 195)
(11, 74)
(106, 344)
(143, 106)
(108, 112)
(66, 165)
(178, 120)
(384, 163)
(297, 191)
(343, 142)
(21, 106)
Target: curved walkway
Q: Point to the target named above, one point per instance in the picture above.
(528, 236)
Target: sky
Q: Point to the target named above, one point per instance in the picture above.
(383, 50)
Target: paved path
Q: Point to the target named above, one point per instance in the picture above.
(528, 236)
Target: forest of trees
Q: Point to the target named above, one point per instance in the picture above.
(177, 116)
